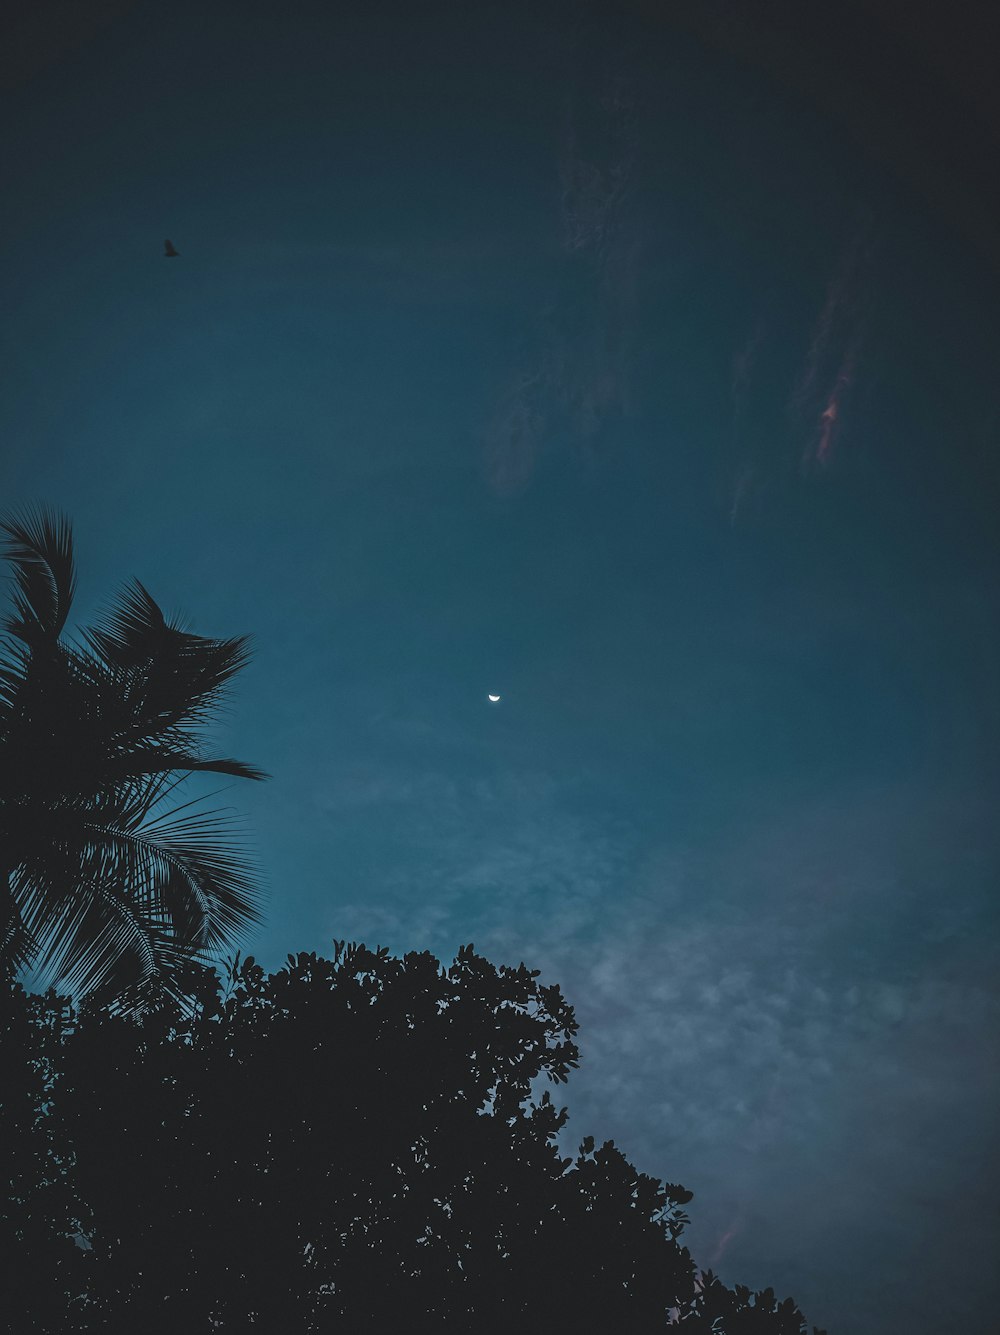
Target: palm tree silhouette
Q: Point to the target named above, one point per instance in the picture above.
(105, 885)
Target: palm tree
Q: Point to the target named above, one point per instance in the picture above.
(106, 886)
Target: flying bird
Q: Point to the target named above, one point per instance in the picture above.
(169, 252)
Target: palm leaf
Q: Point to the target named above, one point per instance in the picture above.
(40, 547)
(122, 894)
(156, 760)
(110, 889)
(181, 675)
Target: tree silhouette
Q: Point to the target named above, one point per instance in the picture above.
(40, 1214)
(102, 886)
(350, 1144)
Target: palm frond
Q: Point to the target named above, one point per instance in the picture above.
(106, 946)
(111, 885)
(133, 631)
(17, 945)
(181, 675)
(155, 760)
(121, 893)
(12, 675)
(97, 937)
(208, 864)
(40, 547)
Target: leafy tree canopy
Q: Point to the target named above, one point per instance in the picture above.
(362, 1143)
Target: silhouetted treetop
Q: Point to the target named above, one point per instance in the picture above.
(357, 1143)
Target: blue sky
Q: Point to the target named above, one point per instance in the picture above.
(577, 360)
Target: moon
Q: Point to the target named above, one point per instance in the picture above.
(493, 699)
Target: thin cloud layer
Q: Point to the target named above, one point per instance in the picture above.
(733, 1037)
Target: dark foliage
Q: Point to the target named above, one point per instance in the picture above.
(102, 886)
(356, 1144)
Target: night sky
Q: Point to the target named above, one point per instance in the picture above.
(638, 365)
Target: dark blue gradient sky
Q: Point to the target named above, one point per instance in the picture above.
(595, 361)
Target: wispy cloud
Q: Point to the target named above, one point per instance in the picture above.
(792, 1004)
(815, 408)
(816, 403)
(829, 422)
(578, 372)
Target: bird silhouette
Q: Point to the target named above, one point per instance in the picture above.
(168, 250)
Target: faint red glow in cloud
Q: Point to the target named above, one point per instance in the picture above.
(830, 417)
(726, 1238)
(832, 356)
(819, 347)
(760, 1132)
(762, 455)
(839, 314)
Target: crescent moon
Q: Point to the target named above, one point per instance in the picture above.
(493, 699)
